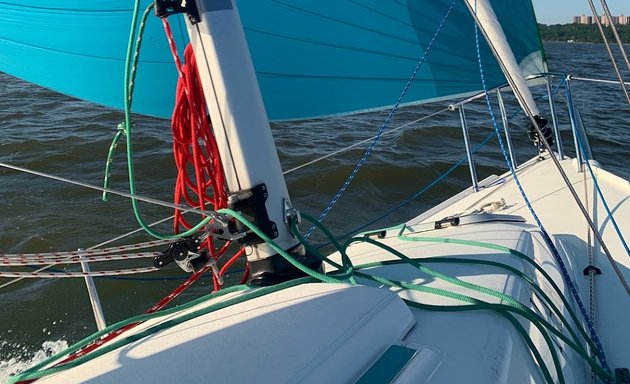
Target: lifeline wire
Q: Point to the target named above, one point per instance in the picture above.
(345, 149)
(435, 181)
(107, 190)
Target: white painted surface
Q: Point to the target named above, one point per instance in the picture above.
(313, 333)
(238, 115)
(331, 333)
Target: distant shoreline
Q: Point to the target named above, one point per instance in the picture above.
(581, 33)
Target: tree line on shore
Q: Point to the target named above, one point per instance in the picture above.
(581, 33)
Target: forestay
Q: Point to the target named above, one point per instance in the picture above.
(312, 57)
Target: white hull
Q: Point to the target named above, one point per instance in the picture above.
(335, 333)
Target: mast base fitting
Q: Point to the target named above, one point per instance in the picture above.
(276, 269)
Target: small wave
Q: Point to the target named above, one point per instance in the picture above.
(24, 360)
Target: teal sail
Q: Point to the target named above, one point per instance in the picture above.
(312, 57)
(78, 48)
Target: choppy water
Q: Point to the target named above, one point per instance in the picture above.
(66, 137)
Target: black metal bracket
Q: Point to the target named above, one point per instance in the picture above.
(377, 234)
(452, 221)
(184, 253)
(251, 204)
(165, 8)
(591, 268)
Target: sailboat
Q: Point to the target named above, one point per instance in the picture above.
(500, 283)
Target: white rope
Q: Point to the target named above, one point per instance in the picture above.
(137, 230)
(90, 252)
(21, 261)
(50, 275)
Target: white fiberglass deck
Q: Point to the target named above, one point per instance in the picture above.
(335, 333)
(562, 219)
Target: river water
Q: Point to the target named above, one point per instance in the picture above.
(55, 134)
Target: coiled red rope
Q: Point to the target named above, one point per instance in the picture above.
(195, 149)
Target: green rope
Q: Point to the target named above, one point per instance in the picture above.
(128, 89)
(512, 252)
(347, 269)
(319, 276)
(573, 344)
(450, 279)
(513, 305)
(458, 260)
(110, 157)
(473, 304)
(122, 126)
(537, 320)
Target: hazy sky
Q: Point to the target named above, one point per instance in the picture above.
(562, 11)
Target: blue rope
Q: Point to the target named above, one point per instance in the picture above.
(600, 193)
(420, 192)
(345, 185)
(547, 238)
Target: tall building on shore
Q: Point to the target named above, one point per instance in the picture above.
(617, 20)
(583, 19)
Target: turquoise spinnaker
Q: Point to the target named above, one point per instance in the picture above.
(312, 57)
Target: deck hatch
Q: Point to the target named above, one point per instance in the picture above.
(388, 366)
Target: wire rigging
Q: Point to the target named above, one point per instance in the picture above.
(610, 53)
(565, 274)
